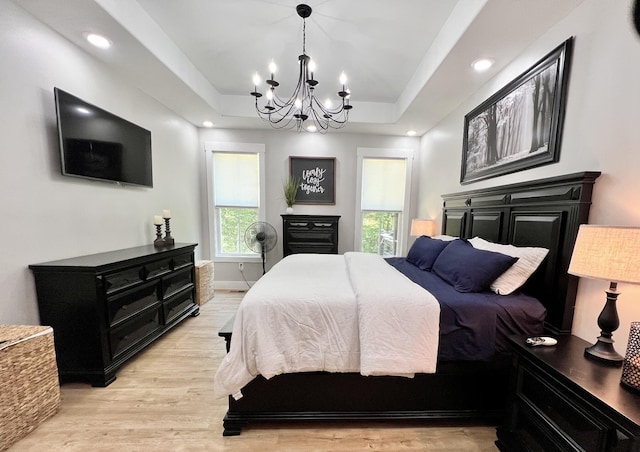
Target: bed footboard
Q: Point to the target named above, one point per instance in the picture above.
(462, 390)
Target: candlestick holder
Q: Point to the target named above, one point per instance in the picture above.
(159, 241)
(168, 240)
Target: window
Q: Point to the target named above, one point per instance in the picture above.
(236, 196)
(384, 180)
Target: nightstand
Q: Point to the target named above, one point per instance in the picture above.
(559, 400)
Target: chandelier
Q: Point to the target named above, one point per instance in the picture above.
(303, 104)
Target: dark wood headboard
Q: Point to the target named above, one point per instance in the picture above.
(545, 213)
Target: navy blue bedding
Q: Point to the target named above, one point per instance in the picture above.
(474, 326)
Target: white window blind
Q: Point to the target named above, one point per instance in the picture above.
(237, 179)
(383, 184)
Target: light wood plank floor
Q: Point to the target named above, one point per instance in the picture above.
(162, 400)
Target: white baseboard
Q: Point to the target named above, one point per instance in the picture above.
(232, 285)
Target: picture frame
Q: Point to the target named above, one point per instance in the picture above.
(316, 176)
(520, 126)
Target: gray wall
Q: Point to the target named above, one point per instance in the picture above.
(601, 133)
(47, 216)
(279, 146)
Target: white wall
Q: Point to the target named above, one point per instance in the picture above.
(601, 133)
(279, 146)
(47, 216)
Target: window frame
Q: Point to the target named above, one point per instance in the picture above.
(213, 221)
(403, 220)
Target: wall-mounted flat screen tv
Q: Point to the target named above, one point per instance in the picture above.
(96, 144)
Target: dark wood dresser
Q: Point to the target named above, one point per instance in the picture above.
(562, 401)
(104, 308)
(310, 234)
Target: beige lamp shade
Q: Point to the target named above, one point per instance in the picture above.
(422, 227)
(611, 253)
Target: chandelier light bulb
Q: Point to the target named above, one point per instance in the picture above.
(328, 103)
(312, 66)
(298, 104)
(272, 67)
(256, 79)
(269, 94)
(343, 79)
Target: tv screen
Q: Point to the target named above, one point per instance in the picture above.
(96, 144)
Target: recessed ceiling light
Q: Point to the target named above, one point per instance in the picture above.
(97, 40)
(207, 123)
(411, 133)
(312, 128)
(482, 64)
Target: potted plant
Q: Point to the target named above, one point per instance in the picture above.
(290, 188)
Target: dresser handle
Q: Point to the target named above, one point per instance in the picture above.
(299, 224)
(323, 225)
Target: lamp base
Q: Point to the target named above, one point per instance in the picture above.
(604, 352)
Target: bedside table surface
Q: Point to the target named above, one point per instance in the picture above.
(598, 379)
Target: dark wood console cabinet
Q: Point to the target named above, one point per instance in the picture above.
(104, 308)
(310, 234)
(562, 401)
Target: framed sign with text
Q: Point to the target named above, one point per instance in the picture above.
(316, 179)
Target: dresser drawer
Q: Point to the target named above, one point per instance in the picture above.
(126, 304)
(316, 248)
(127, 335)
(176, 305)
(176, 282)
(563, 410)
(158, 268)
(322, 236)
(181, 261)
(116, 281)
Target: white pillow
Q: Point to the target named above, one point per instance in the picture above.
(446, 238)
(529, 259)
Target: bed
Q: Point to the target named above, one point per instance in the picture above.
(470, 378)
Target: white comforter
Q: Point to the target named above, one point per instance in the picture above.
(335, 313)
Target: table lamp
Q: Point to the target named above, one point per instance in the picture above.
(422, 227)
(611, 253)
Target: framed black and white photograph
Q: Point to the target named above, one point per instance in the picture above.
(520, 126)
(316, 179)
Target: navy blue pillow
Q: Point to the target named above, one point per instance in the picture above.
(469, 269)
(424, 251)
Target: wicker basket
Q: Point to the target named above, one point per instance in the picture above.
(204, 281)
(29, 386)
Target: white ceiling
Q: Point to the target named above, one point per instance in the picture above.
(408, 61)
